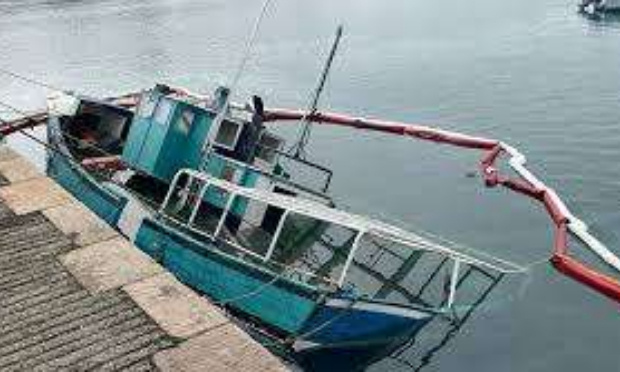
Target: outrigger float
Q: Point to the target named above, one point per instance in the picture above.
(206, 189)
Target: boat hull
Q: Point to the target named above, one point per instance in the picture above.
(313, 319)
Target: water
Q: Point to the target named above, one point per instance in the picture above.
(534, 74)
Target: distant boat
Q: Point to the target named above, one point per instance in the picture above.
(593, 7)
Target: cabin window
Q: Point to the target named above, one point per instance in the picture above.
(244, 228)
(228, 134)
(209, 211)
(398, 273)
(313, 251)
(163, 111)
(268, 147)
(186, 120)
(183, 198)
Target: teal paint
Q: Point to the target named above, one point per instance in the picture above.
(106, 206)
(79, 183)
(281, 304)
(159, 144)
(248, 177)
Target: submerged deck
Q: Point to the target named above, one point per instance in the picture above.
(74, 295)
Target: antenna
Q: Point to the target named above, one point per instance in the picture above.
(298, 148)
(224, 106)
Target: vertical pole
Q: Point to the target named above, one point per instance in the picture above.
(276, 235)
(453, 282)
(164, 204)
(356, 242)
(298, 150)
(201, 195)
(220, 224)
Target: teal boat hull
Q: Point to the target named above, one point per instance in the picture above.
(315, 319)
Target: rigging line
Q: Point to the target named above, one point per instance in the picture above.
(236, 77)
(29, 80)
(249, 44)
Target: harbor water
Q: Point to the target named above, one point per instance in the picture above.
(536, 75)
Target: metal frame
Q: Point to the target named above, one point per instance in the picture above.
(289, 206)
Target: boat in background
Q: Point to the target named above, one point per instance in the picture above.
(593, 7)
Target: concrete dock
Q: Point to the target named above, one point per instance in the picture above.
(75, 295)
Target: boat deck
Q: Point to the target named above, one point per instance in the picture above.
(74, 295)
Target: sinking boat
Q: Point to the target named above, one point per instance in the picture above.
(220, 204)
(207, 190)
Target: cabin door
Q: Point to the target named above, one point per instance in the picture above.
(273, 214)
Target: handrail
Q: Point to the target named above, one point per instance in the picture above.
(348, 220)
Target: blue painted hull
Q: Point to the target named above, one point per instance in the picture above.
(316, 320)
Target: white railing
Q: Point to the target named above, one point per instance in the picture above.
(360, 225)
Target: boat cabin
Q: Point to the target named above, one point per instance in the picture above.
(168, 131)
(171, 132)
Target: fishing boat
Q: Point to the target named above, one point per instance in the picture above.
(212, 196)
(220, 205)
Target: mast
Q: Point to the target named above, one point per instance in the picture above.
(298, 148)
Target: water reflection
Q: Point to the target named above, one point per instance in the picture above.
(606, 19)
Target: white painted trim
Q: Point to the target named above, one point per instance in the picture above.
(377, 308)
(131, 218)
(201, 195)
(453, 282)
(350, 257)
(276, 235)
(229, 202)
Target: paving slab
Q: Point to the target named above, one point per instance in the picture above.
(18, 169)
(109, 264)
(75, 295)
(75, 220)
(6, 153)
(49, 322)
(180, 311)
(34, 195)
(223, 349)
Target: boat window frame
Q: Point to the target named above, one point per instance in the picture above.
(231, 147)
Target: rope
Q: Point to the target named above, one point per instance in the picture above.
(236, 77)
(253, 292)
(248, 46)
(30, 80)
